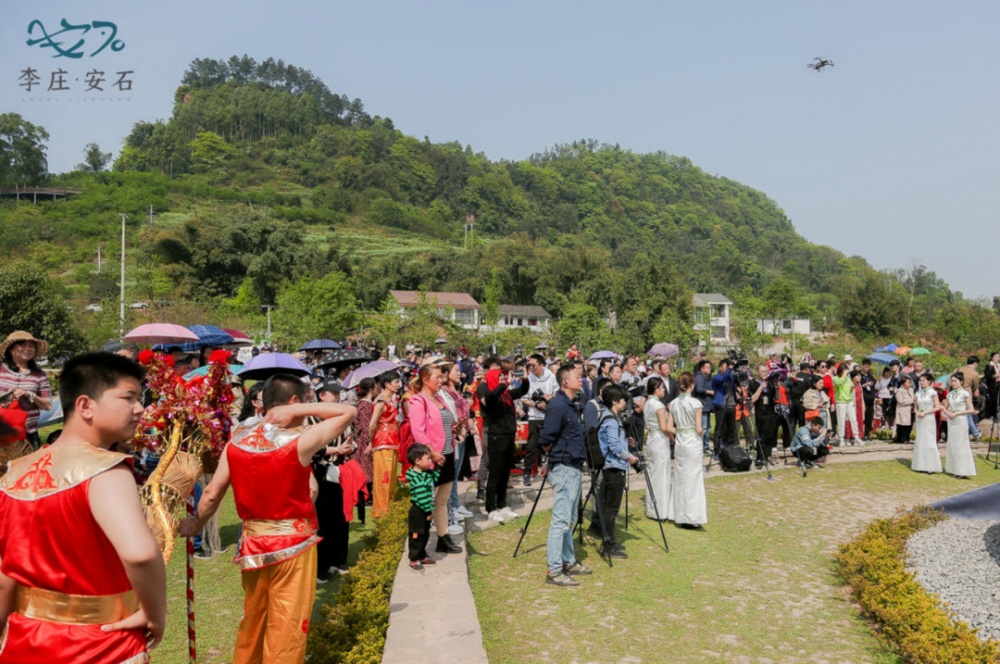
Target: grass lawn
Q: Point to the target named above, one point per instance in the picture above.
(219, 595)
(758, 585)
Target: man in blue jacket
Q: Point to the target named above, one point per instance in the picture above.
(704, 393)
(725, 414)
(562, 439)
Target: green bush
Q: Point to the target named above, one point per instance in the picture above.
(356, 620)
(909, 618)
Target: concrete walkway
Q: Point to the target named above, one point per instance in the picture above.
(432, 616)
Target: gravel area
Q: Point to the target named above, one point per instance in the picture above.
(959, 560)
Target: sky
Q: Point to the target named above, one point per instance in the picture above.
(888, 155)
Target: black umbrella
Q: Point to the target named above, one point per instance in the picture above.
(339, 359)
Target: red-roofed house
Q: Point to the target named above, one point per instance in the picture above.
(458, 307)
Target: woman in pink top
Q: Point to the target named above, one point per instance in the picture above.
(431, 423)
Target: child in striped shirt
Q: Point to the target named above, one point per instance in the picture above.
(421, 479)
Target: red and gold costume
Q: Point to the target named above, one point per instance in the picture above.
(70, 580)
(277, 550)
(385, 447)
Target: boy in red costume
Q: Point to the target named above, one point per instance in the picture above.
(81, 577)
(268, 464)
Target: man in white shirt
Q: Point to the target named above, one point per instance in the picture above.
(543, 381)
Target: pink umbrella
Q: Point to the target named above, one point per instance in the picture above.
(160, 333)
(239, 339)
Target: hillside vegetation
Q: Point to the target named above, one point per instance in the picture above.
(263, 182)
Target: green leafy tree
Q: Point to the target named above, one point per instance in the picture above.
(22, 151)
(312, 308)
(746, 312)
(672, 328)
(209, 150)
(492, 293)
(384, 325)
(584, 325)
(94, 160)
(869, 306)
(30, 301)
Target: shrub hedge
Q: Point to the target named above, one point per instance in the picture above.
(909, 618)
(355, 622)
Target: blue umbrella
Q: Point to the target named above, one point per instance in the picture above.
(887, 349)
(883, 358)
(208, 336)
(320, 344)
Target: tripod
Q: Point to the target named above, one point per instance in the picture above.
(748, 425)
(534, 506)
(993, 433)
(630, 428)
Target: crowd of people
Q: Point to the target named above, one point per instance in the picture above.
(308, 453)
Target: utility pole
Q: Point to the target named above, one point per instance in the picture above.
(121, 310)
(99, 260)
(470, 224)
(268, 307)
(150, 216)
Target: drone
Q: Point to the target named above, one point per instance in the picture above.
(819, 64)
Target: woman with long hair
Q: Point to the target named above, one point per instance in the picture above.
(432, 424)
(957, 409)
(926, 458)
(688, 506)
(24, 379)
(362, 435)
(383, 430)
(657, 449)
(451, 391)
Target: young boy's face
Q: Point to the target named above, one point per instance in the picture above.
(424, 462)
(115, 414)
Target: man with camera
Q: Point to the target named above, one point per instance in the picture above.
(562, 439)
(809, 444)
(542, 386)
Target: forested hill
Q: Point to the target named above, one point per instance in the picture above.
(263, 176)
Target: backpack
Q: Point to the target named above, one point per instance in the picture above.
(734, 459)
(592, 442)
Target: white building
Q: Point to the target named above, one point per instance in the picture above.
(711, 312)
(458, 307)
(528, 316)
(783, 326)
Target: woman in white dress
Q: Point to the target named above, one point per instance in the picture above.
(926, 458)
(657, 450)
(687, 507)
(958, 459)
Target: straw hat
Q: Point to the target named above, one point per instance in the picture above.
(41, 347)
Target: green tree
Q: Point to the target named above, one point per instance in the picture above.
(311, 308)
(22, 151)
(30, 301)
(583, 324)
(492, 292)
(672, 328)
(869, 306)
(383, 325)
(94, 160)
(747, 311)
(209, 150)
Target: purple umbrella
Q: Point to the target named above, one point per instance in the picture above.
(266, 365)
(664, 350)
(369, 371)
(603, 355)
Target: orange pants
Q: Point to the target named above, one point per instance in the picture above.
(277, 604)
(383, 480)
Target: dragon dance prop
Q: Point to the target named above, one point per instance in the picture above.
(187, 427)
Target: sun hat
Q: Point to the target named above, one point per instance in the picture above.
(41, 347)
(848, 358)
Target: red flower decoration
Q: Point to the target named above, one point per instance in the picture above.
(168, 360)
(145, 356)
(219, 356)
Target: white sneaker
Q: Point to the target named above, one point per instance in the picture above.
(496, 516)
(457, 517)
(456, 530)
(508, 513)
(464, 512)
